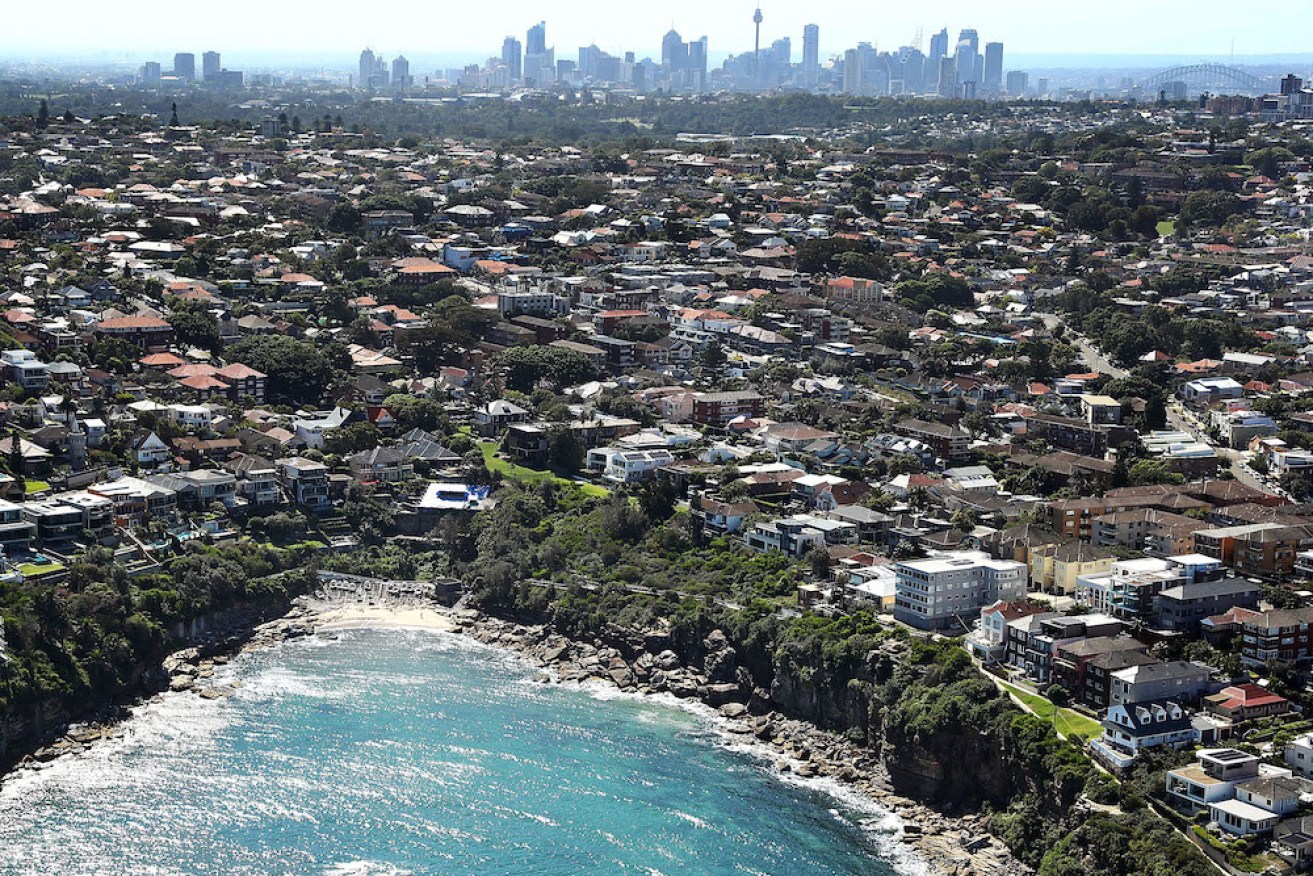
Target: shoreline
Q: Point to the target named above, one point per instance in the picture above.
(943, 845)
(938, 844)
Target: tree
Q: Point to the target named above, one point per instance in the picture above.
(17, 463)
(565, 452)
(173, 117)
(526, 367)
(965, 519)
(352, 438)
(344, 219)
(935, 291)
(818, 559)
(714, 356)
(368, 517)
(1147, 472)
(194, 325)
(43, 115)
(1268, 160)
(1209, 208)
(297, 372)
(413, 412)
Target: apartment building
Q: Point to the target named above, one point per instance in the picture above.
(949, 442)
(1283, 636)
(949, 590)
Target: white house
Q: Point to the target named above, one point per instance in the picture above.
(624, 466)
(150, 450)
(1131, 728)
(1211, 779)
(1207, 390)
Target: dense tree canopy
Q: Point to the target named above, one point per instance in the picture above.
(298, 372)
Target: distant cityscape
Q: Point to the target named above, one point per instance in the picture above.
(965, 69)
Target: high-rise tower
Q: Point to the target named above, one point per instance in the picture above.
(756, 50)
(811, 53)
(367, 65)
(993, 67)
(537, 41)
(512, 55)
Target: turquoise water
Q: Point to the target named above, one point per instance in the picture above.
(388, 752)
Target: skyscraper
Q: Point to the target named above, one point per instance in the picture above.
(367, 64)
(852, 72)
(947, 77)
(210, 65)
(674, 51)
(782, 51)
(811, 54)
(151, 72)
(938, 47)
(400, 72)
(512, 55)
(539, 62)
(938, 51)
(536, 44)
(993, 67)
(1018, 81)
(968, 55)
(869, 64)
(697, 64)
(184, 66)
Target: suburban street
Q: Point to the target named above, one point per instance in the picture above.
(1179, 417)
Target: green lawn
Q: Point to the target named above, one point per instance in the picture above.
(36, 487)
(32, 570)
(1067, 721)
(1167, 228)
(519, 473)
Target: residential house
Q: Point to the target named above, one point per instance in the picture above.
(1211, 779)
(720, 517)
(1133, 728)
(952, 444)
(1246, 702)
(386, 465)
(1177, 680)
(492, 419)
(719, 408)
(305, 481)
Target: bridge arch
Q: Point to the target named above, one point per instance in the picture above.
(1206, 73)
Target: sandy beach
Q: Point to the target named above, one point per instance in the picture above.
(410, 617)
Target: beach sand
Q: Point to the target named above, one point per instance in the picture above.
(409, 617)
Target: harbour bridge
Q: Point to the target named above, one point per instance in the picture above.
(1207, 76)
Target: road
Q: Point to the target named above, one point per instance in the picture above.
(1179, 417)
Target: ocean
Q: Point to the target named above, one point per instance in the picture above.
(415, 752)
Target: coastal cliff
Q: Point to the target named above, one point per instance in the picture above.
(36, 725)
(986, 787)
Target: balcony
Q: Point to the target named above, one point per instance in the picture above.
(1111, 756)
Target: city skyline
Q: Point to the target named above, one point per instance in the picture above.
(1027, 28)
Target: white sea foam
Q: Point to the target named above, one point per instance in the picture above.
(699, 823)
(882, 825)
(364, 868)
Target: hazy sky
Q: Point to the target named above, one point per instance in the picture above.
(438, 27)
